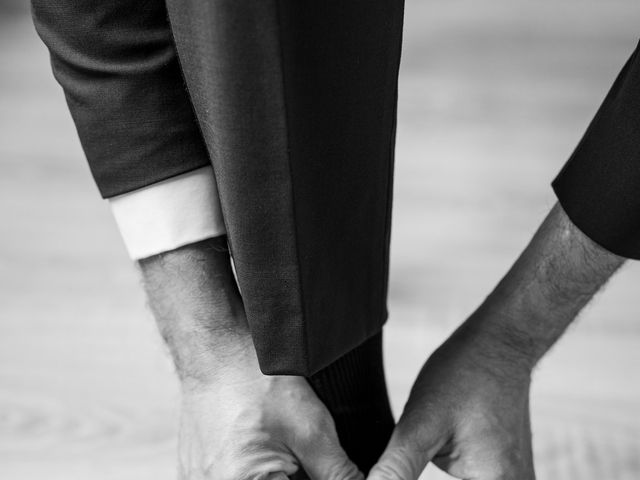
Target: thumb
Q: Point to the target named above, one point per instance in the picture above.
(324, 459)
(405, 458)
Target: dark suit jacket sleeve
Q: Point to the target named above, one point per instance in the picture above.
(117, 63)
(599, 187)
(295, 108)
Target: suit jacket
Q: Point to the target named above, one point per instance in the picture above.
(293, 102)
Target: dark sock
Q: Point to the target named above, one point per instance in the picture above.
(354, 390)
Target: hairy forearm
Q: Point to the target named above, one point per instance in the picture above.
(555, 277)
(195, 300)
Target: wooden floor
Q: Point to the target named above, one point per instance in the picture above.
(494, 96)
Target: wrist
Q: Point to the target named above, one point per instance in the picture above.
(503, 341)
(477, 351)
(547, 287)
(195, 300)
(206, 360)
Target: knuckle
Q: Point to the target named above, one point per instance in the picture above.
(344, 470)
(506, 470)
(224, 471)
(385, 472)
(395, 467)
(322, 421)
(318, 433)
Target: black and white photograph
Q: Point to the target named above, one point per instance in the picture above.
(319, 240)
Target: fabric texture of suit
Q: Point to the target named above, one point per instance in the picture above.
(293, 102)
(599, 187)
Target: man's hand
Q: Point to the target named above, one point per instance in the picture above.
(468, 411)
(236, 423)
(249, 426)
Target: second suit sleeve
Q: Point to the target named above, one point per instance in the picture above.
(599, 186)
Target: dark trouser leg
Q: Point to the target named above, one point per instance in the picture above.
(331, 146)
(297, 104)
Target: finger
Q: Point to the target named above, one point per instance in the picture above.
(407, 453)
(278, 476)
(324, 459)
(331, 463)
(398, 462)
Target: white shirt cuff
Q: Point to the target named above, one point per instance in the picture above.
(169, 214)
